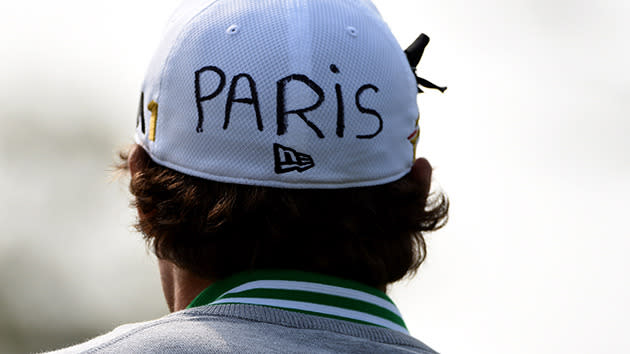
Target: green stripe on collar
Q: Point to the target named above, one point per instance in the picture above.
(304, 292)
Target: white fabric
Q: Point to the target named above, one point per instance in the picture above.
(271, 40)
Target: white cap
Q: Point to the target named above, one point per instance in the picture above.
(280, 93)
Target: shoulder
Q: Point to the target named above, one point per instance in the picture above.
(171, 333)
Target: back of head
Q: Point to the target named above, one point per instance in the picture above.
(373, 235)
(281, 134)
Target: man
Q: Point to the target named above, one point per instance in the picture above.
(274, 178)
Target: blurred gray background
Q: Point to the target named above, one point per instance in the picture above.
(530, 142)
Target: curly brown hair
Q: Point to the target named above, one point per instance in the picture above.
(373, 235)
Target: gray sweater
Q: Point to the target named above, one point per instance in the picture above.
(242, 328)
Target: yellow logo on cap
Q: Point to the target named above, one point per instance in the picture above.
(153, 107)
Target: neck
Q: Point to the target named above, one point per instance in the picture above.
(180, 286)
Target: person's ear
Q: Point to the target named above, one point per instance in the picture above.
(421, 172)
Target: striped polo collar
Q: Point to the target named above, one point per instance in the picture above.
(309, 293)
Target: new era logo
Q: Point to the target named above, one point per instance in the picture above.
(288, 160)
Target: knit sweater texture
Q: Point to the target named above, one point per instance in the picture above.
(241, 328)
